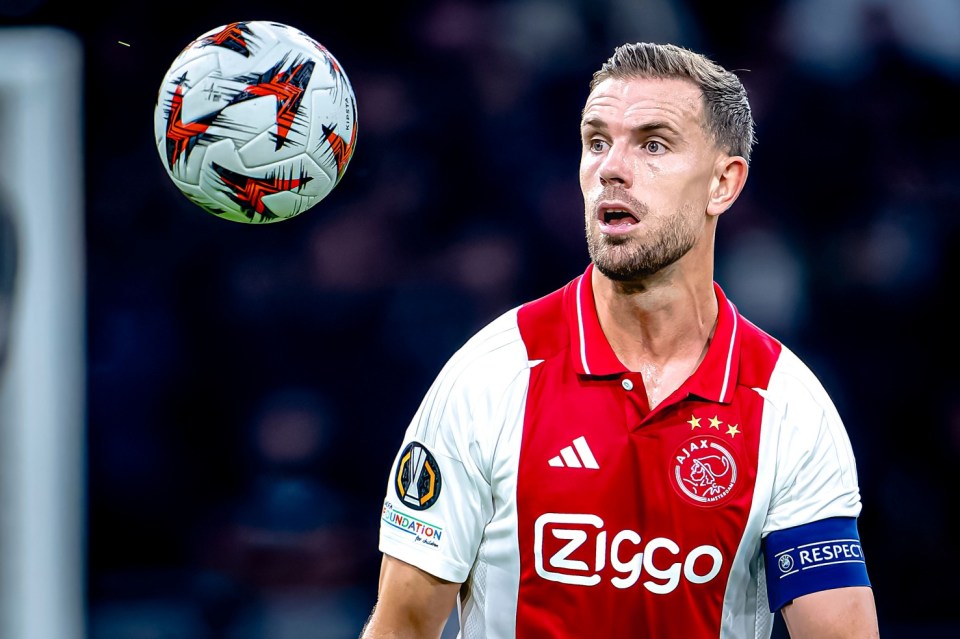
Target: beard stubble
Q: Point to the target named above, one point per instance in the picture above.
(625, 258)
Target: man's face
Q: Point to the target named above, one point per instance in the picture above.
(645, 174)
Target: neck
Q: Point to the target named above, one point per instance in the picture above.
(659, 329)
(657, 323)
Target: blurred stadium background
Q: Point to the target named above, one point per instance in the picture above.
(199, 416)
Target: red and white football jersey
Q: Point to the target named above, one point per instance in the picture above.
(535, 474)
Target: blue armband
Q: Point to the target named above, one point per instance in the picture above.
(817, 556)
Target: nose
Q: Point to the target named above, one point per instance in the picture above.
(615, 168)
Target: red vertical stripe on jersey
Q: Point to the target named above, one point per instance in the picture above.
(623, 550)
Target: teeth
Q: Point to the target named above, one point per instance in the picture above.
(609, 215)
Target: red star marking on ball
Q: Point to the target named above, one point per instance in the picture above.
(230, 37)
(248, 192)
(182, 136)
(341, 149)
(287, 86)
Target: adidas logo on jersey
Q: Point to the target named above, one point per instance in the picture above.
(577, 456)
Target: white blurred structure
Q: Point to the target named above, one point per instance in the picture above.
(42, 398)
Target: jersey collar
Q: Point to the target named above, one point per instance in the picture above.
(593, 356)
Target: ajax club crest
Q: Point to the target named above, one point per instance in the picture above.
(704, 471)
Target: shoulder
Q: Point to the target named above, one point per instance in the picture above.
(494, 350)
(796, 400)
(544, 322)
(477, 394)
(811, 435)
(535, 330)
(769, 365)
(795, 382)
(481, 370)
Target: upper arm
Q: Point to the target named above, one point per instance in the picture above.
(842, 613)
(810, 539)
(411, 603)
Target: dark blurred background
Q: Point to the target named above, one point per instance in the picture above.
(247, 386)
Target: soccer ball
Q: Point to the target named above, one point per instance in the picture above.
(255, 122)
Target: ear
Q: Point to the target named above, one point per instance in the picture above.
(730, 174)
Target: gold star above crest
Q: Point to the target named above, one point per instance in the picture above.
(732, 430)
(694, 422)
(715, 423)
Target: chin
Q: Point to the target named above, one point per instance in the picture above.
(622, 273)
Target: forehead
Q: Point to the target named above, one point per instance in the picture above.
(677, 100)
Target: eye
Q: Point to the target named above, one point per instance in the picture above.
(655, 147)
(597, 145)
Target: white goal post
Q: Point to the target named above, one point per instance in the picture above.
(42, 390)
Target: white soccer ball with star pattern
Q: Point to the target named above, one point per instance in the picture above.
(255, 122)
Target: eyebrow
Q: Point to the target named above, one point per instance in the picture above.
(649, 127)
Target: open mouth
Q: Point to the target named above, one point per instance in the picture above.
(617, 217)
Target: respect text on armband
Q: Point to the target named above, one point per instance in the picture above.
(819, 555)
(419, 531)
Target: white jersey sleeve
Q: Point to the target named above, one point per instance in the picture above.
(815, 473)
(810, 537)
(439, 495)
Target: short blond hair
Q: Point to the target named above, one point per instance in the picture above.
(725, 104)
